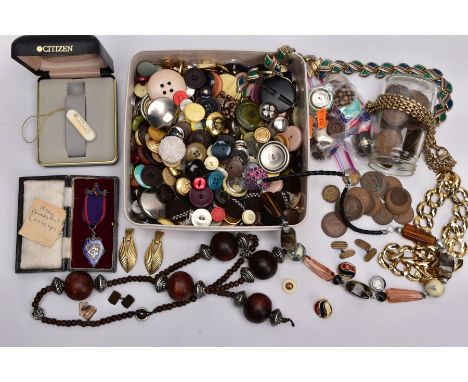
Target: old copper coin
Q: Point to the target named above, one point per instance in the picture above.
(347, 253)
(333, 226)
(398, 201)
(394, 117)
(374, 182)
(384, 217)
(393, 182)
(421, 98)
(362, 244)
(363, 196)
(331, 193)
(405, 218)
(370, 255)
(339, 244)
(377, 206)
(354, 177)
(387, 140)
(353, 208)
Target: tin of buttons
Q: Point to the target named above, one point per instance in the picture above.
(162, 112)
(194, 112)
(201, 218)
(165, 83)
(273, 157)
(249, 217)
(211, 163)
(289, 286)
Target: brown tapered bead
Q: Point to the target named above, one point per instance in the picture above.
(418, 235)
(403, 295)
(319, 269)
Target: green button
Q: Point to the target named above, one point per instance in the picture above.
(248, 115)
(136, 122)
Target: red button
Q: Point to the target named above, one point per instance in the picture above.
(218, 214)
(199, 183)
(142, 79)
(179, 96)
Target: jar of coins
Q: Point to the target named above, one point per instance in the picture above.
(397, 138)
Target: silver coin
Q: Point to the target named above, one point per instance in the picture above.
(162, 112)
(377, 283)
(321, 98)
(273, 157)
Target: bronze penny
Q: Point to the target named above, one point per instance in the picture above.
(387, 140)
(378, 205)
(398, 201)
(363, 196)
(405, 218)
(331, 193)
(421, 98)
(393, 182)
(384, 217)
(374, 182)
(333, 226)
(353, 208)
(370, 255)
(334, 126)
(398, 89)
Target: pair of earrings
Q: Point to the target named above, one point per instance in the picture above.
(153, 255)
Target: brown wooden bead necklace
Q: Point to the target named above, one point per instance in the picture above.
(224, 246)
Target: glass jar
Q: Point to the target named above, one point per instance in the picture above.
(398, 138)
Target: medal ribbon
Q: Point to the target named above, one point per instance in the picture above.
(94, 210)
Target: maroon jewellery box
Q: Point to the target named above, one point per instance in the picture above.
(89, 202)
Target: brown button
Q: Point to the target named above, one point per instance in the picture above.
(376, 206)
(387, 140)
(393, 182)
(151, 175)
(405, 218)
(292, 216)
(234, 167)
(195, 150)
(294, 135)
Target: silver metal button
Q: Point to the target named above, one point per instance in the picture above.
(177, 132)
(280, 124)
(162, 112)
(268, 111)
(151, 205)
(377, 283)
(273, 157)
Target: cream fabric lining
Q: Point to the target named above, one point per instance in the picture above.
(33, 255)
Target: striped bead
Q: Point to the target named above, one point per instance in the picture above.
(346, 270)
(323, 308)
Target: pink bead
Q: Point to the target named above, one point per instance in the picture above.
(319, 269)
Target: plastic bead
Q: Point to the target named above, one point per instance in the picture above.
(417, 235)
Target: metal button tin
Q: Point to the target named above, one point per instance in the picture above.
(162, 112)
(321, 98)
(273, 156)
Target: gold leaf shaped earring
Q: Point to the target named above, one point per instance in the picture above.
(154, 254)
(128, 251)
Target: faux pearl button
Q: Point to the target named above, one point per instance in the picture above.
(165, 83)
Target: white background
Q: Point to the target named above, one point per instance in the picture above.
(214, 320)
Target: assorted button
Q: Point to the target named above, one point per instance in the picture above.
(204, 138)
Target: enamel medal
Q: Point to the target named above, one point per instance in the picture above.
(94, 211)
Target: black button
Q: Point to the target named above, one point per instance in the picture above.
(194, 169)
(221, 196)
(166, 194)
(195, 78)
(236, 68)
(233, 209)
(209, 104)
(204, 91)
(200, 136)
(280, 92)
(152, 176)
(176, 208)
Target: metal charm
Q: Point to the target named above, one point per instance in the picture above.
(247, 275)
(278, 253)
(128, 251)
(93, 249)
(38, 313)
(200, 289)
(276, 317)
(154, 253)
(377, 283)
(243, 240)
(205, 252)
(297, 253)
(100, 283)
(245, 253)
(446, 265)
(57, 285)
(86, 311)
(161, 283)
(240, 298)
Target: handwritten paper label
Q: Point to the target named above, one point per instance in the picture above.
(43, 223)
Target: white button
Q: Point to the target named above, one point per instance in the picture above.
(201, 218)
(249, 217)
(289, 286)
(211, 163)
(184, 103)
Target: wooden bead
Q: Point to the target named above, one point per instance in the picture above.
(78, 285)
(180, 286)
(263, 264)
(257, 308)
(224, 246)
(418, 235)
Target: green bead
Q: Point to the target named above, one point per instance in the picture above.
(442, 117)
(387, 64)
(449, 87)
(336, 69)
(419, 67)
